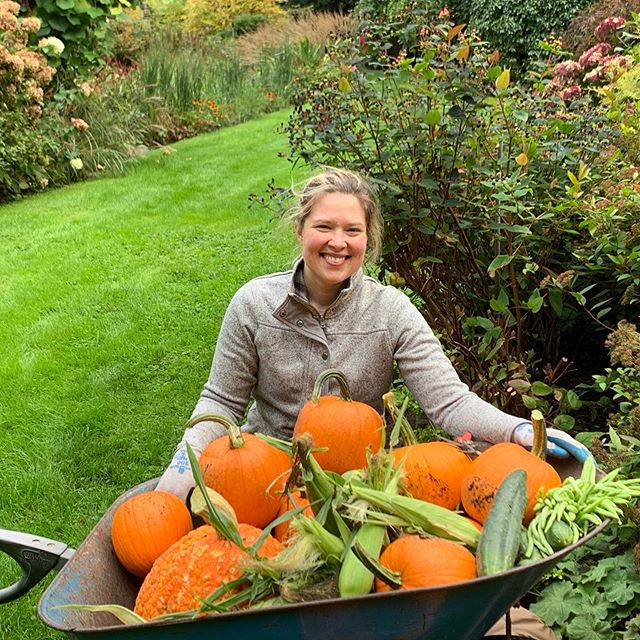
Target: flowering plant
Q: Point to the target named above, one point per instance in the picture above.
(24, 73)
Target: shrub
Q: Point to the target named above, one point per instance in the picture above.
(24, 73)
(213, 16)
(489, 195)
(515, 27)
(82, 26)
(580, 33)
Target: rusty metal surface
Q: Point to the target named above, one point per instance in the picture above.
(457, 612)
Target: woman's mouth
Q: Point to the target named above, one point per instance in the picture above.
(334, 260)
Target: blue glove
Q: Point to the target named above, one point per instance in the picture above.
(559, 443)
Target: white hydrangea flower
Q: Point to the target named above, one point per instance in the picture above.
(51, 45)
(76, 164)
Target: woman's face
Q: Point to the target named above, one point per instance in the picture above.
(334, 241)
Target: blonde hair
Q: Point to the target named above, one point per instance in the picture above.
(333, 180)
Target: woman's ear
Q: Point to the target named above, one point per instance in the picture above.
(299, 233)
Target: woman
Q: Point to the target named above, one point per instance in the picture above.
(281, 330)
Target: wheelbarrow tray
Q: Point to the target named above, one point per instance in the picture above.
(462, 611)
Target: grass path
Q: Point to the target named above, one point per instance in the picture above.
(111, 295)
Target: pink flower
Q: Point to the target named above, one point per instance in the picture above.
(594, 75)
(608, 25)
(591, 57)
(445, 13)
(571, 92)
(567, 68)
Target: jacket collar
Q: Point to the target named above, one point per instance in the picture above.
(298, 289)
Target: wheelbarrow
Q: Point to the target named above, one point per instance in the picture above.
(92, 575)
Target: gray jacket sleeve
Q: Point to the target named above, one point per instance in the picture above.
(233, 371)
(431, 378)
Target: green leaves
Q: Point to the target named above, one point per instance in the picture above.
(497, 263)
(594, 593)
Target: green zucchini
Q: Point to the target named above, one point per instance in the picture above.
(500, 538)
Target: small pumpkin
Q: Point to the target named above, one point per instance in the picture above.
(194, 567)
(494, 464)
(434, 471)
(282, 531)
(426, 562)
(344, 426)
(145, 526)
(247, 471)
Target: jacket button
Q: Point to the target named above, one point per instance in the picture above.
(325, 356)
(300, 323)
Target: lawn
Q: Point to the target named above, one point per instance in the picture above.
(111, 295)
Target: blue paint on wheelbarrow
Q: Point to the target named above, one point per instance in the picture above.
(464, 611)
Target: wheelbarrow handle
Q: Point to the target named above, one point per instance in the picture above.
(36, 556)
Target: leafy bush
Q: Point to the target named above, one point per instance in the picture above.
(580, 33)
(489, 197)
(213, 16)
(515, 27)
(595, 592)
(82, 26)
(24, 73)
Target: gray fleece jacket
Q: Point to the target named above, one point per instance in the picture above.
(273, 344)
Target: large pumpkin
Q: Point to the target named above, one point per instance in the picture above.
(344, 426)
(194, 567)
(494, 464)
(145, 526)
(426, 562)
(246, 470)
(434, 471)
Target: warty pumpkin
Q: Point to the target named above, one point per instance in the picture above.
(426, 562)
(433, 471)
(145, 526)
(494, 464)
(344, 426)
(246, 470)
(194, 567)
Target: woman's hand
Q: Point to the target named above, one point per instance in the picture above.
(559, 443)
(178, 477)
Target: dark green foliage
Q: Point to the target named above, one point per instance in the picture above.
(82, 26)
(595, 593)
(515, 27)
(321, 5)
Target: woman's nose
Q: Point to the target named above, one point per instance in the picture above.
(337, 238)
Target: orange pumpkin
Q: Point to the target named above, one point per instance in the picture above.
(145, 526)
(494, 464)
(426, 562)
(246, 470)
(194, 567)
(342, 425)
(434, 471)
(282, 531)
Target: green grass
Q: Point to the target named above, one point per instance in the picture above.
(111, 296)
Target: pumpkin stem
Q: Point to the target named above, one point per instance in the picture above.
(345, 393)
(236, 440)
(539, 448)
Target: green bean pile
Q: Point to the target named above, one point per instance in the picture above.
(567, 512)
